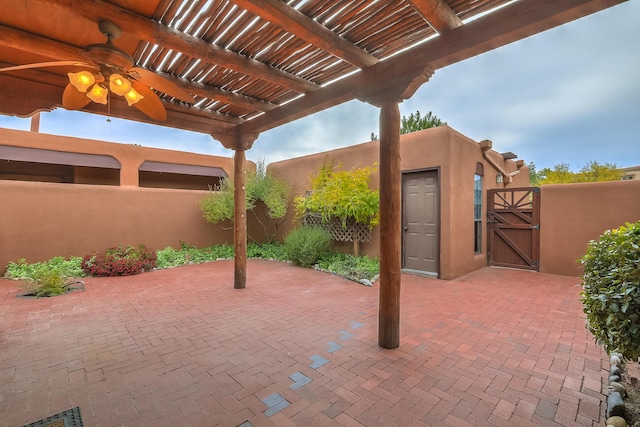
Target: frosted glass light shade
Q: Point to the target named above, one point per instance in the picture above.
(82, 80)
(119, 85)
(98, 94)
(132, 97)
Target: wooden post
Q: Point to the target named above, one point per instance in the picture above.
(239, 220)
(239, 143)
(390, 226)
(35, 122)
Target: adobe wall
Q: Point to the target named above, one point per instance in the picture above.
(573, 214)
(440, 148)
(41, 220)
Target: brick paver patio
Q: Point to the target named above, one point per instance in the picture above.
(298, 347)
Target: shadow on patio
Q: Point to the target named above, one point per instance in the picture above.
(181, 347)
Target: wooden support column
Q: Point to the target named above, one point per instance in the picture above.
(390, 226)
(387, 97)
(240, 144)
(239, 220)
(35, 122)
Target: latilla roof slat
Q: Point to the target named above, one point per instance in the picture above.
(180, 66)
(244, 21)
(261, 39)
(222, 17)
(170, 11)
(379, 20)
(292, 53)
(345, 20)
(258, 89)
(382, 41)
(155, 56)
(327, 11)
(228, 31)
(161, 9)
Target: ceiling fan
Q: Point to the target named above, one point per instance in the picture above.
(110, 69)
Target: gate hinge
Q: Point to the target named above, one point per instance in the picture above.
(535, 263)
(536, 227)
(535, 189)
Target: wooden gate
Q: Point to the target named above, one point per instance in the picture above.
(513, 217)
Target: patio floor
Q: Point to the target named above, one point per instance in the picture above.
(298, 347)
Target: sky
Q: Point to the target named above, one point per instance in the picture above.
(568, 95)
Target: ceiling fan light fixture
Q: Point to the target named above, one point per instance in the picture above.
(98, 94)
(132, 97)
(82, 80)
(119, 85)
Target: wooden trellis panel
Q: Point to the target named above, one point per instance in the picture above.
(352, 232)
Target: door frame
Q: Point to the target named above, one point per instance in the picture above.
(403, 176)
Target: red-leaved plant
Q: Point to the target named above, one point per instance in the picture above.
(119, 261)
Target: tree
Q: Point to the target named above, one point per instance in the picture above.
(591, 172)
(261, 186)
(415, 122)
(534, 177)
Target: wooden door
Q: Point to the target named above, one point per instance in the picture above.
(513, 216)
(421, 221)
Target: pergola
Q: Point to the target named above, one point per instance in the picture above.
(252, 65)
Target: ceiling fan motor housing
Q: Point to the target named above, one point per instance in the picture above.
(109, 55)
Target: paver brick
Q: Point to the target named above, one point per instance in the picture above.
(181, 347)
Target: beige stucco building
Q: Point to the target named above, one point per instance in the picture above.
(441, 169)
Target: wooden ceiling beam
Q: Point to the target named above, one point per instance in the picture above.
(218, 94)
(305, 28)
(507, 25)
(153, 32)
(438, 14)
(28, 42)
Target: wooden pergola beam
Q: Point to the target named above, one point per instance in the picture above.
(28, 42)
(438, 14)
(218, 94)
(507, 25)
(168, 38)
(305, 28)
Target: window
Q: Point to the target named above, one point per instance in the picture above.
(477, 214)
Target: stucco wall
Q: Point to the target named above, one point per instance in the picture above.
(571, 215)
(41, 220)
(440, 148)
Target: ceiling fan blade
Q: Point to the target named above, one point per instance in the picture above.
(150, 104)
(46, 64)
(73, 99)
(161, 84)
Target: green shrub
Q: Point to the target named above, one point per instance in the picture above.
(45, 282)
(170, 257)
(274, 251)
(66, 268)
(351, 267)
(304, 246)
(611, 290)
(119, 261)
